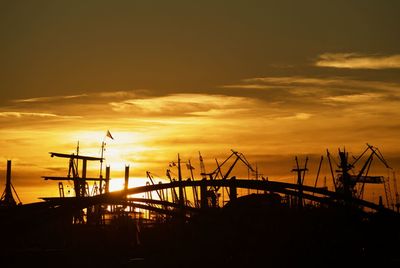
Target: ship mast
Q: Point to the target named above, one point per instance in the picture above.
(101, 166)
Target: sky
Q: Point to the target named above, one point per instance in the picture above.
(271, 79)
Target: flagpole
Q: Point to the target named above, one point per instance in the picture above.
(103, 144)
(101, 166)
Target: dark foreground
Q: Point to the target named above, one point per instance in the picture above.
(255, 231)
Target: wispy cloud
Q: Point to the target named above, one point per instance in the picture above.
(298, 116)
(122, 93)
(86, 97)
(41, 115)
(316, 86)
(355, 98)
(181, 104)
(221, 112)
(320, 103)
(358, 61)
(294, 80)
(49, 99)
(250, 86)
(283, 82)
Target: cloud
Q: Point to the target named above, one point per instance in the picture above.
(221, 112)
(310, 90)
(334, 82)
(294, 80)
(49, 99)
(94, 106)
(354, 98)
(121, 93)
(325, 105)
(267, 119)
(182, 104)
(83, 98)
(40, 115)
(298, 116)
(249, 86)
(358, 61)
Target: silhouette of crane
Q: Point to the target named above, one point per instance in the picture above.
(348, 178)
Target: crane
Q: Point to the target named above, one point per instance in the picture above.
(347, 178)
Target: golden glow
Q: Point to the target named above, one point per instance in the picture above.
(229, 79)
(117, 184)
(149, 131)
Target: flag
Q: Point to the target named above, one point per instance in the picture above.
(109, 135)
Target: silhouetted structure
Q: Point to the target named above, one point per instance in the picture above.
(7, 198)
(288, 224)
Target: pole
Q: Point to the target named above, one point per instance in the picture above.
(107, 188)
(319, 170)
(126, 177)
(101, 161)
(77, 153)
(181, 201)
(101, 167)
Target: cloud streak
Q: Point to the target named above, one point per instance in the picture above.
(290, 82)
(182, 104)
(49, 99)
(358, 61)
(355, 98)
(40, 115)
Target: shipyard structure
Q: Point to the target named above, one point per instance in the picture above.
(216, 220)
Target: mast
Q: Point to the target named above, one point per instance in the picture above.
(101, 166)
(300, 180)
(7, 198)
(181, 198)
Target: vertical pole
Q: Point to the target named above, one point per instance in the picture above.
(101, 167)
(101, 160)
(331, 169)
(7, 196)
(257, 175)
(299, 183)
(203, 194)
(319, 169)
(8, 179)
(232, 189)
(77, 153)
(181, 196)
(107, 179)
(191, 170)
(83, 181)
(84, 168)
(347, 187)
(126, 177)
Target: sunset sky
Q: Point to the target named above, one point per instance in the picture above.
(271, 79)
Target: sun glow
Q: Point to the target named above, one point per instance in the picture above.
(149, 132)
(117, 184)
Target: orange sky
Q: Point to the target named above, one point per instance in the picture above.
(150, 131)
(271, 80)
